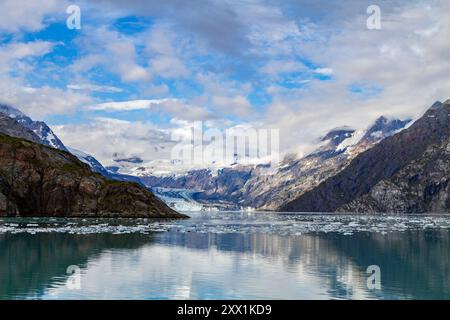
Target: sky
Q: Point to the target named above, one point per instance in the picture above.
(137, 73)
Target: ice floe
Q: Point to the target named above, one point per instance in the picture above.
(233, 222)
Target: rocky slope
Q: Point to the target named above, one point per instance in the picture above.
(404, 173)
(36, 180)
(10, 127)
(16, 124)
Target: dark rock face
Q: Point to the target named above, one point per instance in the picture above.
(36, 180)
(420, 187)
(407, 172)
(11, 127)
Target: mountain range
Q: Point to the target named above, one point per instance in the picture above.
(257, 187)
(393, 165)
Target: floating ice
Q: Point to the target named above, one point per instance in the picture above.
(233, 222)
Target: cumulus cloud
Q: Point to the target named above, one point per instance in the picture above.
(39, 102)
(16, 60)
(13, 56)
(104, 137)
(113, 51)
(28, 15)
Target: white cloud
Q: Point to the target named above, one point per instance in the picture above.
(16, 61)
(40, 101)
(324, 71)
(128, 105)
(93, 87)
(177, 108)
(104, 137)
(125, 63)
(18, 16)
(237, 105)
(13, 55)
(406, 62)
(113, 51)
(166, 50)
(168, 67)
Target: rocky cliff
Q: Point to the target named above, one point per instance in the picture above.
(36, 180)
(407, 172)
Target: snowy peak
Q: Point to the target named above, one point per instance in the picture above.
(383, 128)
(40, 128)
(350, 140)
(337, 135)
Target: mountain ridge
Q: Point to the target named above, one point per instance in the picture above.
(385, 159)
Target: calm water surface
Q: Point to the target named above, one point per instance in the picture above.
(226, 256)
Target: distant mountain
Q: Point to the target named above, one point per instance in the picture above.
(254, 186)
(37, 180)
(221, 188)
(269, 190)
(129, 160)
(408, 172)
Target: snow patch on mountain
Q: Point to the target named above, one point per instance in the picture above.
(351, 141)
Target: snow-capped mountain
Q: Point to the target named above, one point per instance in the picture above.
(252, 186)
(40, 128)
(407, 173)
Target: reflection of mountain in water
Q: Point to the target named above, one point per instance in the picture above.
(28, 263)
(414, 264)
(418, 262)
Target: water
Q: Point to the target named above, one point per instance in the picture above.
(226, 256)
